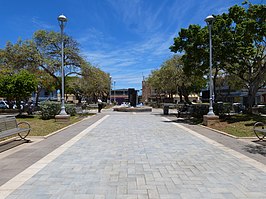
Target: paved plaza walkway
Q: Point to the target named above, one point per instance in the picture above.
(129, 156)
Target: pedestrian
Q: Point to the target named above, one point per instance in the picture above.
(100, 105)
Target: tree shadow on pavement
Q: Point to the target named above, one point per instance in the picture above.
(184, 120)
(257, 149)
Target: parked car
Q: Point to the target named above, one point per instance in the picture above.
(3, 105)
(238, 107)
(28, 107)
(14, 106)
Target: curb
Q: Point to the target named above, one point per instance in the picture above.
(221, 132)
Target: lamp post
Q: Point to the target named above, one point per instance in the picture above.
(110, 88)
(62, 115)
(209, 20)
(114, 92)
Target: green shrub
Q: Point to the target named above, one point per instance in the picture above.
(49, 109)
(71, 109)
(198, 110)
(222, 109)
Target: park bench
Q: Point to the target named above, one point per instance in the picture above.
(259, 130)
(9, 126)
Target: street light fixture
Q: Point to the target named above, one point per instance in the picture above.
(62, 115)
(209, 20)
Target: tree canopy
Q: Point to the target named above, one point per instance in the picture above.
(238, 46)
(171, 79)
(48, 46)
(41, 56)
(95, 83)
(17, 86)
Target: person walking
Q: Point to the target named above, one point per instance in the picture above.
(100, 105)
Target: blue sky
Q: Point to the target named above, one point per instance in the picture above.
(126, 38)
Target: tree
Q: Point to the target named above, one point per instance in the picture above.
(193, 42)
(94, 83)
(154, 81)
(24, 55)
(48, 46)
(18, 56)
(165, 80)
(171, 78)
(18, 86)
(42, 57)
(229, 83)
(238, 46)
(91, 85)
(246, 47)
(73, 86)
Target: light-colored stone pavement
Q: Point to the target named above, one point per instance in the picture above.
(127, 155)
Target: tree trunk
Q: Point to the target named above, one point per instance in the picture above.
(37, 96)
(252, 90)
(185, 94)
(187, 99)
(180, 95)
(214, 84)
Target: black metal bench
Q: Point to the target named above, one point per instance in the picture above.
(9, 126)
(259, 130)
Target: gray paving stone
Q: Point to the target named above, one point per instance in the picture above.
(143, 156)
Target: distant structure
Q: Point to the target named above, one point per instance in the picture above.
(146, 91)
(132, 97)
(120, 96)
(225, 94)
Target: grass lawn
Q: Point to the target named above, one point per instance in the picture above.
(41, 127)
(239, 125)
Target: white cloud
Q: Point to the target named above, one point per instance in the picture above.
(129, 62)
(41, 24)
(132, 53)
(90, 35)
(139, 16)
